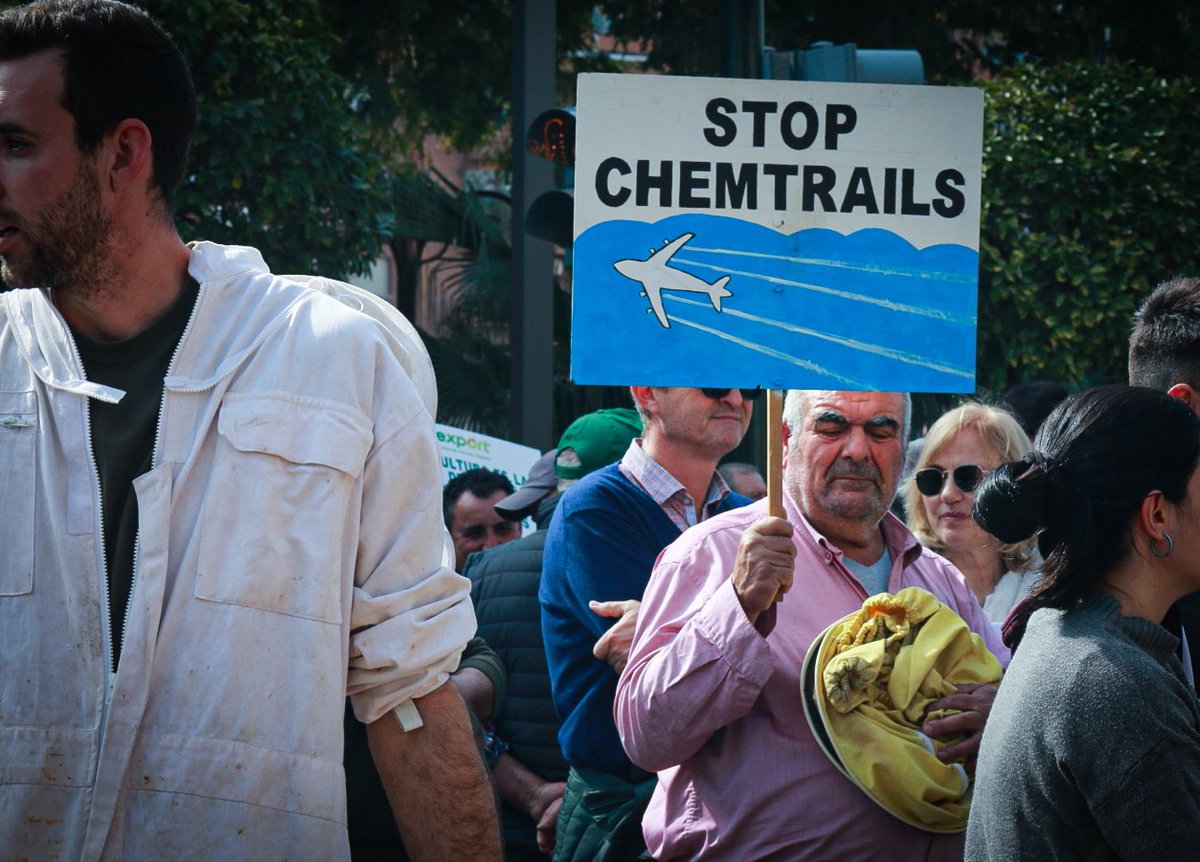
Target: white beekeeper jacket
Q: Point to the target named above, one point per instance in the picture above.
(290, 549)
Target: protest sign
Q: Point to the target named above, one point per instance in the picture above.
(780, 234)
(463, 450)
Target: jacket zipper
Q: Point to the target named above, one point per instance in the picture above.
(154, 456)
(106, 616)
(105, 589)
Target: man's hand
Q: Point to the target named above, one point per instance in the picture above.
(614, 644)
(975, 701)
(547, 819)
(522, 788)
(763, 568)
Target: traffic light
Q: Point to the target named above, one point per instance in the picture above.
(824, 61)
(551, 136)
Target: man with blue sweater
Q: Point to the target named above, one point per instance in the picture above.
(603, 540)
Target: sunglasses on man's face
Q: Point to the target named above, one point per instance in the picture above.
(966, 476)
(718, 394)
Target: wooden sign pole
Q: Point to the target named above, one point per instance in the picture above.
(775, 453)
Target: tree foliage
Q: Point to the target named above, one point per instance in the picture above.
(467, 236)
(957, 38)
(1159, 34)
(1089, 163)
(444, 68)
(309, 107)
(688, 38)
(1090, 177)
(279, 159)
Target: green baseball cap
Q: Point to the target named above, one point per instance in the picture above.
(595, 440)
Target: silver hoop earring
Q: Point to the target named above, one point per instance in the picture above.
(1167, 552)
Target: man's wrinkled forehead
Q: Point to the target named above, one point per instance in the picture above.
(876, 409)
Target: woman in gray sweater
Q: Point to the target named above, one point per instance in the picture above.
(1092, 748)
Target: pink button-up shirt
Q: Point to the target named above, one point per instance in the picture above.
(714, 706)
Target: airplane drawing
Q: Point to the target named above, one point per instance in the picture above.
(656, 276)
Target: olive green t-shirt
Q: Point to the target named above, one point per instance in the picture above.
(123, 435)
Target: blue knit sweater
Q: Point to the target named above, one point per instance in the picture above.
(603, 541)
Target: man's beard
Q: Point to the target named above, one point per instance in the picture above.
(65, 242)
(859, 506)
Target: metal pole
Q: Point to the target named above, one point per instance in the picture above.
(532, 327)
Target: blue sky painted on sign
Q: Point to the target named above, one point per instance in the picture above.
(813, 310)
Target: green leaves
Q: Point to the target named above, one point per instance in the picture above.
(1089, 181)
(279, 161)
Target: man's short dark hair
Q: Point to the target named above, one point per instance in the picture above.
(117, 64)
(1164, 346)
(480, 481)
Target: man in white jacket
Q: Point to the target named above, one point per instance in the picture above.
(222, 502)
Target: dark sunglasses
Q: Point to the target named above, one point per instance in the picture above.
(717, 394)
(966, 476)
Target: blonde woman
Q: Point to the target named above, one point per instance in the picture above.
(962, 447)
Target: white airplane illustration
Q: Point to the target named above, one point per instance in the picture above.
(656, 276)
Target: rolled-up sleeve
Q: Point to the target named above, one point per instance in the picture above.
(697, 663)
(411, 613)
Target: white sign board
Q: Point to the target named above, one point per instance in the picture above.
(465, 450)
(782, 234)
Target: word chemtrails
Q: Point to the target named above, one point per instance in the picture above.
(785, 187)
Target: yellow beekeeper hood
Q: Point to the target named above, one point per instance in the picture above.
(867, 683)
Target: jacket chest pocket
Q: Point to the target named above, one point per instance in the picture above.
(278, 501)
(18, 430)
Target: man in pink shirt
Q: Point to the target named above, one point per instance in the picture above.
(711, 698)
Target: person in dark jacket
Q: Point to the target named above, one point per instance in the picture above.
(527, 764)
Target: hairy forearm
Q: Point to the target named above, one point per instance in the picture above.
(436, 782)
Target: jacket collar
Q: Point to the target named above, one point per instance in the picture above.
(239, 304)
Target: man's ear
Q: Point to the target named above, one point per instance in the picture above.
(1187, 394)
(643, 396)
(129, 155)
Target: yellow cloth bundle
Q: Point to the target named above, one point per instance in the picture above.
(869, 680)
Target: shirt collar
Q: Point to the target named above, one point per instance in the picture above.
(901, 543)
(656, 481)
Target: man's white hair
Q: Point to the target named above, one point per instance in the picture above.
(796, 405)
